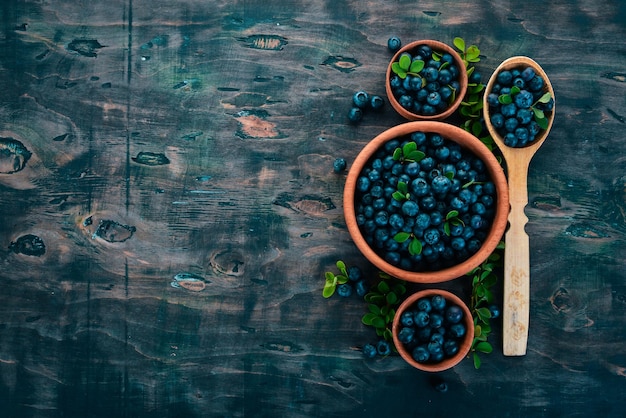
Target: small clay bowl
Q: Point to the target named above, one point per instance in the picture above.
(435, 46)
(466, 140)
(464, 346)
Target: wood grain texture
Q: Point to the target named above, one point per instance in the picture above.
(171, 141)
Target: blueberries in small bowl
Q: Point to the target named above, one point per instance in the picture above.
(433, 345)
(426, 80)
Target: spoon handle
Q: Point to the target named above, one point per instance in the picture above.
(516, 308)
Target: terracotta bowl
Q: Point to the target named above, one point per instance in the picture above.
(509, 64)
(436, 46)
(466, 140)
(464, 346)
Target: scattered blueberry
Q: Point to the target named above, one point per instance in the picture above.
(344, 290)
(355, 115)
(377, 102)
(339, 165)
(369, 350)
(383, 348)
(439, 384)
(394, 44)
(495, 311)
(360, 287)
(361, 99)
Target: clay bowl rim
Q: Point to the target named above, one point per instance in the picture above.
(463, 81)
(466, 140)
(464, 347)
(508, 64)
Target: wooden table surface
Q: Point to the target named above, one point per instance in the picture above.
(161, 138)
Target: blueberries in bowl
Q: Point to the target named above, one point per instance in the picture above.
(422, 209)
(519, 105)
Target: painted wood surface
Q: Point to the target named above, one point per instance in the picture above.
(168, 208)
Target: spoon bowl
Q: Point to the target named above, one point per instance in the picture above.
(516, 306)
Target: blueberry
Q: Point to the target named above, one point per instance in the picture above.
(437, 337)
(504, 78)
(355, 273)
(508, 110)
(430, 74)
(536, 83)
(527, 73)
(510, 124)
(522, 135)
(369, 350)
(441, 184)
(436, 320)
(424, 305)
(454, 314)
(519, 82)
(457, 330)
(396, 221)
(412, 168)
(450, 348)
(523, 99)
(363, 184)
(422, 221)
(344, 290)
(433, 99)
(428, 203)
(406, 335)
(360, 287)
(395, 82)
(420, 354)
(495, 311)
(445, 92)
(361, 99)
(355, 115)
(438, 302)
(421, 319)
(497, 120)
(457, 243)
(475, 78)
(434, 347)
(406, 318)
(445, 76)
(339, 165)
(420, 186)
(394, 44)
(383, 348)
(492, 100)
(439, 384)
(393, 257)
(377, 102)
(406, 101)
(410, 208)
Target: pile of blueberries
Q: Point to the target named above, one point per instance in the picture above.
(515, 121)
(448, 179)
(431, 91)
(432, 329)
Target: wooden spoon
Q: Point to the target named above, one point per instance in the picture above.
(516, 307)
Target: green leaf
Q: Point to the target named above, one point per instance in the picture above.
(376, 298)
(515, 90)
(329, 289)
(399, 289)
(373, 309)
(384, 310)
(472, 54)
(449, 174)
(402, 187)
(452, 214)
(398, 196)
(378, 322)
(415, 247)
(387, 334)
(341, 279)
(505, 99)
(484, 347)
(476, 361)
(478, 331)
(483, 313)
(368, 318)
(329, 276)
(391, 298)
(404, 62)
(416, 66)
(408, 148)
(383, 287)
(401, 237)
(397, 154)
(543, 123)
(446, 228)
(545, 98)
(459, 43)
(477, 128)
(416, 156)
